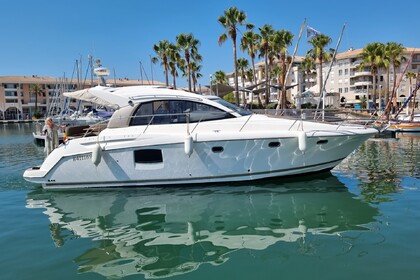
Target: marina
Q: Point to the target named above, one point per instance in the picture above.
(355, 221)
(229, 144)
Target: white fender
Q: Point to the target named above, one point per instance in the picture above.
(188, 145)
(302, 140)
(97, 154)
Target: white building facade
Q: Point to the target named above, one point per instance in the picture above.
(346, 81)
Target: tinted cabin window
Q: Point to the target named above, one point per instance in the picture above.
(148, 156)
(143, 114)
(175, 111)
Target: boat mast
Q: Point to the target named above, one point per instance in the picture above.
(328, 74)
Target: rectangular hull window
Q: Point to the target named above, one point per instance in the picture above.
(148, 156)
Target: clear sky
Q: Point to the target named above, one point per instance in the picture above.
(46, 37)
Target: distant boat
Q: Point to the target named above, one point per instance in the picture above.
(404, 126)
(409, 122)
(72, 121)
(94, 114)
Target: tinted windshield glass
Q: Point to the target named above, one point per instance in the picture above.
(176, 111)
(231, 106)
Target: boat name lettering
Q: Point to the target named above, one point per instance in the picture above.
(82, 157)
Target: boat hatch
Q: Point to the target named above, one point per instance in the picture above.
(323, 141)
(148, 156)
(274, 144)
(217, 149)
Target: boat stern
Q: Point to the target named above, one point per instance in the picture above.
(35, 175)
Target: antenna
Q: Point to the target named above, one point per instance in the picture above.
(100, 72)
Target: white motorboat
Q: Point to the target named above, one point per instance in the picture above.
(159, 136)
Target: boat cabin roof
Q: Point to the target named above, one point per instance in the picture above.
(146, 105)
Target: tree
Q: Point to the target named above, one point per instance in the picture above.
(373, 56)
(249, 43)
(307, 67)
(219, 78)
(280, 41)
(266, 31)
(277, 74)
(36, 89)
(243, 64)
(195, 73)
(175, 61)
(308, 70)
(410, 76)
(230, 20)
(161, 49)
(189, 44)
(319, 55)
(393, 53)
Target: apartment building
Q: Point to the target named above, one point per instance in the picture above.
(347, 84)
(355, 84)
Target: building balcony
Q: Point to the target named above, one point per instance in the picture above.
(361, 74)
(362, 83)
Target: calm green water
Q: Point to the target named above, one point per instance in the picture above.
(361, 221)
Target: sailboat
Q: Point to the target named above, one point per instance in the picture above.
(409, 122)
(80, 117)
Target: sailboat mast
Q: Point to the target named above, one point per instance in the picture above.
(293, 59)
(324, 83)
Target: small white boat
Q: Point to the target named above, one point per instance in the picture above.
(159, 136)
(404, 126)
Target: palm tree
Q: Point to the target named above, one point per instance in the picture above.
(161, 49)
(278, 75)
(410, 76)
(195, 73)
(266, 31)
(249, 43)
(280, 41)
(393, 52)
(243, 64)
(319, 55)
(230, 20)
(307, 66)
(36, 89)
(175, 60)
(189, 44)
(308, 69)
(373, 56)
(219, 78)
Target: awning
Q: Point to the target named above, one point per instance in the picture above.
(98, 95)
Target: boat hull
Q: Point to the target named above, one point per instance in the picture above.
(405, 127)
(131, 162)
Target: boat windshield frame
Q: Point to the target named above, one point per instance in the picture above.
(173, 111)
(233, 107)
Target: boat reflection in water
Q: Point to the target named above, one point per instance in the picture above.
(161, 232)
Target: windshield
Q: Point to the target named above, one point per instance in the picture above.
(231, 106)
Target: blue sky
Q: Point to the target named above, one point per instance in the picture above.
(45, 38)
